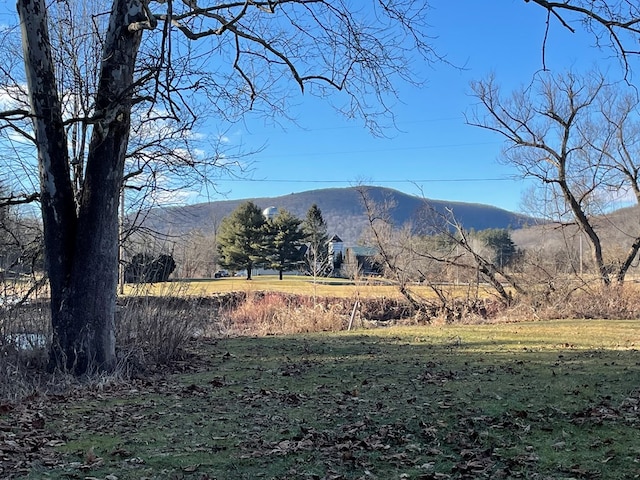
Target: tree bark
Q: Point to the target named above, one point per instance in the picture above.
(631, 255)
(81, 241)
(249, 270)
(56, 192)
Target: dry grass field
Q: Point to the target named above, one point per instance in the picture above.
(298, 285)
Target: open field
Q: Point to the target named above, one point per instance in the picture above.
(543, 400)
(297, 284)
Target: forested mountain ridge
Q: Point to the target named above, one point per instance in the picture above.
(342, 209)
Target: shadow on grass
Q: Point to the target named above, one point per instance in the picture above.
(414, 403)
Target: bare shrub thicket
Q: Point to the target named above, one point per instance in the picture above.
(152, 330)
(584, 302)
(274, 313)
(620, 302)
(271, 313)
(24, 336)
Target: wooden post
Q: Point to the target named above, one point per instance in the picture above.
(353, 314)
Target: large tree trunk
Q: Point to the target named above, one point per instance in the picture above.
(81, 244)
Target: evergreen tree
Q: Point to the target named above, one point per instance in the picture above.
(134, 271)
(162, 267)
(240, 238)
(315, 230)
(499, 241)
(283, 241)
(144, 268)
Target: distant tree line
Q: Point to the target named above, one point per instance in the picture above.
(248, 239)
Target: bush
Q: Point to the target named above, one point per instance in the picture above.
(276, 313)
(24, 339)
(144, 268)
(152, 330)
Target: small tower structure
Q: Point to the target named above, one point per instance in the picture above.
(270, 213)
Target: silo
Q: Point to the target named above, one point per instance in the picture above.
(270, 213)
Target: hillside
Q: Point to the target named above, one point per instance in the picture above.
(617, 230)
(341, 208)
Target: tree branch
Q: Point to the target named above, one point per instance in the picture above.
(18, 199)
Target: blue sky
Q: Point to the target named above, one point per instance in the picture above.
(433, 152)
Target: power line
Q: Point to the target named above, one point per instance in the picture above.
(377, 150)
(430, 180)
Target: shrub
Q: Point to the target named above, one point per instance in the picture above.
(276, 313)
(24, 338)
(152, 330)
(144, 268)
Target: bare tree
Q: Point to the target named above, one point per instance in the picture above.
(542, 127)
(621, 158)
(424, 251)
(569, 133)
(613, 24)
(393, 250)
(196, 254)
(491, 270)
(238, 56)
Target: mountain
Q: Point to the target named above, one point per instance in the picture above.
(617, 229)
(341, 208)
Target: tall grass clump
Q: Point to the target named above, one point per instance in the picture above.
(274, 313)
(24, 338)
(152, 330)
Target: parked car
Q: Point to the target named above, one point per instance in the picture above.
(221, 274)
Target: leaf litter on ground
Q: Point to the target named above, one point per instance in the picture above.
(534, 401)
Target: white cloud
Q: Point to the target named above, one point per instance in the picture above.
(13, 97)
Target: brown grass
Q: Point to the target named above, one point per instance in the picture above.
(275, 313)
(569, 300)
(156, 321)
(153, 329)
(301, 285)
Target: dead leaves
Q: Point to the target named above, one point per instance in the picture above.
(628, 411)
(303, 411)
(349, 445)
(24, 440)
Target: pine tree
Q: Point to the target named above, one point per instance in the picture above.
(283, 241)
(315, 229)
(240, 238)
(500, 242)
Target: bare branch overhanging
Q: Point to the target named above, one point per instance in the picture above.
(615, 20)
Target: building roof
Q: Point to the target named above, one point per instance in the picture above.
(362, 251)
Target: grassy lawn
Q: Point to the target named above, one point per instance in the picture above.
(547, 400)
